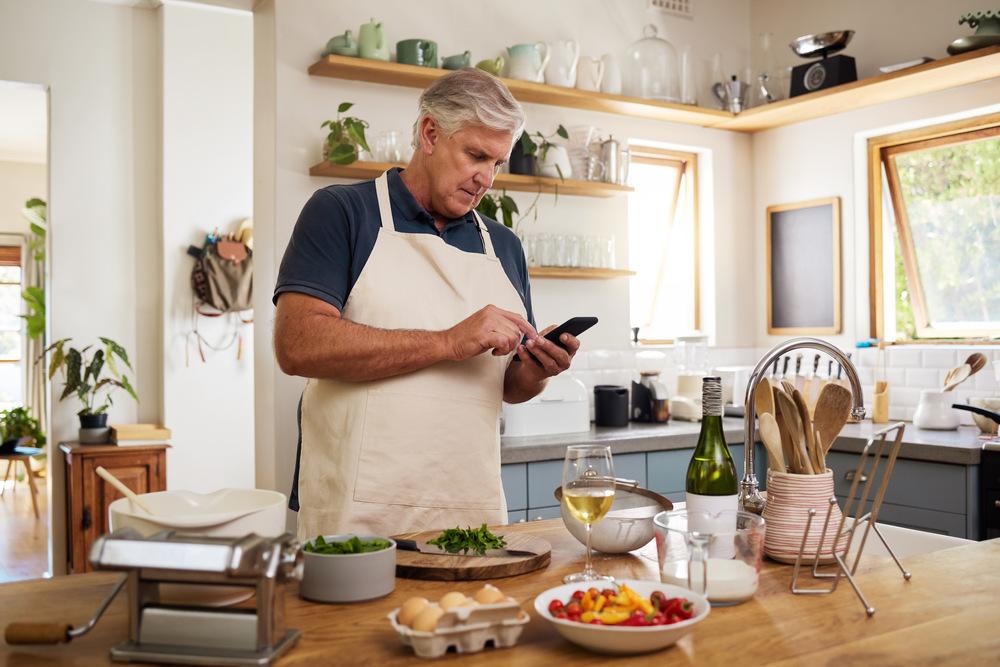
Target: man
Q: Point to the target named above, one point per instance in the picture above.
(406, 311)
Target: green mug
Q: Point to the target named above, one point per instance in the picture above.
(420, 52)
(458, 61)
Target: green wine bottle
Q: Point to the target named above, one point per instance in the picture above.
(711, 483)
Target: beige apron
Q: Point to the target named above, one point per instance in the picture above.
(422, 450)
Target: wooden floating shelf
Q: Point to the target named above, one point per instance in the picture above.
(577, 273)
(513, 182)
(951, 72)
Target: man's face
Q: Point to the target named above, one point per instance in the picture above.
(463, 166)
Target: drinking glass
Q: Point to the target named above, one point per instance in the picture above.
(588, 491)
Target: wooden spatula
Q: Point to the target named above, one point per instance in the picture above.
(808, 430)
(763, 398)
(793, 424)
(787, 447)
(833, 409)
(976, 362)
(771, 435)
(957, 376)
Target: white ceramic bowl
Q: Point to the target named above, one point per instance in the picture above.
(626, 640)
(223, 513)
(625, 527)
(349, 577)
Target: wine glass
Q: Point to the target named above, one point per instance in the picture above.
(588, 490)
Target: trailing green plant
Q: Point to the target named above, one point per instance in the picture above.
(491, 203)
(18, 423)
(346, 136)
(83, 374)
(540, 148)
(36, 212)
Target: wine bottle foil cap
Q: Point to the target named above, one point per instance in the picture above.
(711, 397)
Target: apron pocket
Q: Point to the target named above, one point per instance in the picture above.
(429, 451)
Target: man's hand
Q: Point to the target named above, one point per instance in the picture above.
(490, 328)
(527, 379)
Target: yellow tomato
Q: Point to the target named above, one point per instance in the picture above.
(612, 617)
(599, 602)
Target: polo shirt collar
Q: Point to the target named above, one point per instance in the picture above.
(408, 205)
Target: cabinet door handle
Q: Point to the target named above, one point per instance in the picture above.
(849, 476)
(86, 518)
(997, 504)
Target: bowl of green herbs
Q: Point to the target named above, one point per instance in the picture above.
(348, 568)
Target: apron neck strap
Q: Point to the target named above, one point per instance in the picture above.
(385, 213)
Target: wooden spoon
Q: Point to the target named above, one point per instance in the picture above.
(793, 423)
(763, 398)
(957, 376)
(771, 435)
(833, 409)
(808, 430)
(976, 361)
(122, 489)
(787, 448)
(788, 387)
(820, 453)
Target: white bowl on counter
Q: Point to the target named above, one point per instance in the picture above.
(623, 640)
(627, 526)
(222, 513)
(349, 577)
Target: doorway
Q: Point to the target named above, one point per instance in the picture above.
(24, 433)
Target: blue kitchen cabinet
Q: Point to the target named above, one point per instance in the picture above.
(517, 517)
(667, 470)
(515, 485)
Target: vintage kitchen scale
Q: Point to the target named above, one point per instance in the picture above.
(826, 72)
(188, 633)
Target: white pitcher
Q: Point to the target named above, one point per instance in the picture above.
(612, 82)
(589, 74)
(561, 70)
(527, 61)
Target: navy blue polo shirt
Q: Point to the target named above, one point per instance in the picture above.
(338, 226)
(335, 235)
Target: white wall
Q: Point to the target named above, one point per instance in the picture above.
(19, 182)
(296, 33)
(207, 184)
(886, 31)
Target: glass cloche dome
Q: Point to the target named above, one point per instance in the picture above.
(650, 70)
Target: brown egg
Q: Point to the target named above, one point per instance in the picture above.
(410, 609)
(427, 619)
(452, 599)
(489, 594)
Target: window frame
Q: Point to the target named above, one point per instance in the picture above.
(639, 153)
(880, 151)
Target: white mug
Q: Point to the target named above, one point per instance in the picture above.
(612, 81)
(589, 73)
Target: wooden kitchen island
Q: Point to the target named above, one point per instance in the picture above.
(947, 614)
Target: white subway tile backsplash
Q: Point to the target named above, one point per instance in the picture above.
(896, 376)
(904, 357)
(985, 381)
(581, 361)
(939, 358)
(865, 356)
(602, 359)
(905, 396)
(900, 413)
(924, 378)
(866, 375)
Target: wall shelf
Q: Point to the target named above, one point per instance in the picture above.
(513, 182)
(574, 273)
(951, 72)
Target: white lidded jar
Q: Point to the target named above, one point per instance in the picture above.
(935, 412)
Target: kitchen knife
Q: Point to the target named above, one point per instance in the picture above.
(431, 550)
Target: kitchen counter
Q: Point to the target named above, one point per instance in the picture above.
(948, 613)
(961, 447)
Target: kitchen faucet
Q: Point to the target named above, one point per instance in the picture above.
(750, 498)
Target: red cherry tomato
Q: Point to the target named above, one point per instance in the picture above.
(555, 606)
(574, 609)
(577, 595)
(609, 592)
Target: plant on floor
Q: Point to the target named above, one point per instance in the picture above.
(82, 374)
(346, 136)
(18, 423)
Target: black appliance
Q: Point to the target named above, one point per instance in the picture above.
(610, 405)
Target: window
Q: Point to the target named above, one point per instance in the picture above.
(663, 244)
(939, 199)
(11, 383)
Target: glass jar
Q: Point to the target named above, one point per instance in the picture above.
(651, 69)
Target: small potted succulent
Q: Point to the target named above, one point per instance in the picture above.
(84, 377)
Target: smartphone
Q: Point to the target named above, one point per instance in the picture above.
(573, 326)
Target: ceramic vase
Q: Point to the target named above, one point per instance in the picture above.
(555, 155)
(789, 498)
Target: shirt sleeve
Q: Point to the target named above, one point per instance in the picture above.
(522, 268)
(317, 261)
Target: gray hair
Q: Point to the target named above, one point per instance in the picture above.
(469, 96)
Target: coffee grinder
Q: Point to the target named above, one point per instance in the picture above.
(826, 72)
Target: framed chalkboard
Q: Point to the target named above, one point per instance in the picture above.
(803, 267)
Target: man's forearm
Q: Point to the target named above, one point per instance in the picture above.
(329, 347)
(520, 386)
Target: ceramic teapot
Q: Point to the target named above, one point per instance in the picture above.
(561, 70)
(342, 45)
(371, 41)
(494, 67)
(528, 61)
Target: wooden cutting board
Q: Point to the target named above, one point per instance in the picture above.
(415, 565)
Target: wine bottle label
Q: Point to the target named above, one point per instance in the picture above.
(711, 397)
(704, 517)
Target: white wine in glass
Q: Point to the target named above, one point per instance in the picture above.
(588, 491)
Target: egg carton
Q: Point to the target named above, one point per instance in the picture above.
(467, 629)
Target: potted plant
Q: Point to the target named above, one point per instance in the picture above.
(18, 427)
(346, 137)
(553, 159)
(491, 203)
(84, 377)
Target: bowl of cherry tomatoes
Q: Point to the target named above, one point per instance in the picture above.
(623, 617)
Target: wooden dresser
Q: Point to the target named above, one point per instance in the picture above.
(141, 468)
